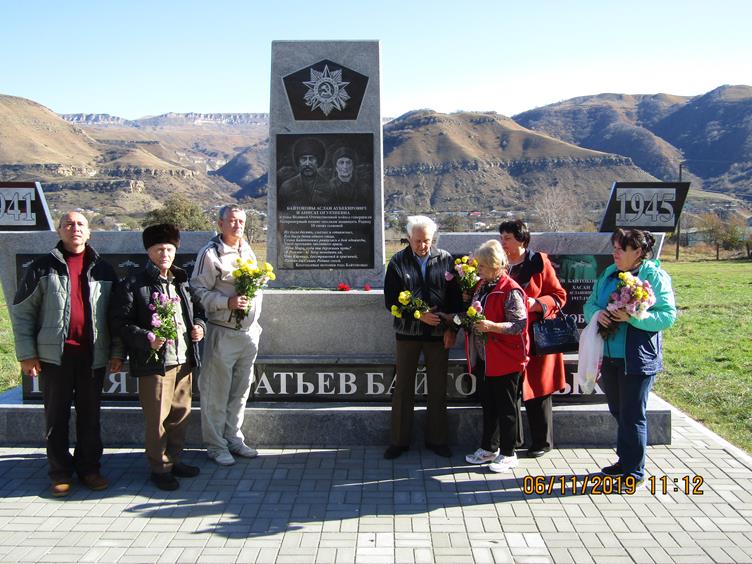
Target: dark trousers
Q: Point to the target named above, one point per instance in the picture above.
(498, 398)
(166, 401)
(540, 420)
(627, 396)
(73, 382)
(403, 398)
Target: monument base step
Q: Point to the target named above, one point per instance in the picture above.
(276, 424)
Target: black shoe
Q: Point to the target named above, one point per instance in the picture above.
(394, 451)
(536, 452)
(613, 470)
(185, 470)
(165, 481)
(440, 450)
(630, 487)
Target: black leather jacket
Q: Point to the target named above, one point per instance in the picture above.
(403, 273)
(130, 317)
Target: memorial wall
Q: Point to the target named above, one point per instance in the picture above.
(327, 345)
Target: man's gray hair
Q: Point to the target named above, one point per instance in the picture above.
(66, 214)
(227, 209)
(420, 221)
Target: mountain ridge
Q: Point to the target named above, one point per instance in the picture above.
(432, 161)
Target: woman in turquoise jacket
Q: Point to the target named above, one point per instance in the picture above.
(632, 353)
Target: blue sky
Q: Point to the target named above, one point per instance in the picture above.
(137, 58)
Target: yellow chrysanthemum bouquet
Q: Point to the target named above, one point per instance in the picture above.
(466, 269)
(250, 277)
(410, 305)
(467, 320)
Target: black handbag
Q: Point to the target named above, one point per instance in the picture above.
(557, 335)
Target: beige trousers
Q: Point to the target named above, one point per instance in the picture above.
(224, 386)
(166, 401)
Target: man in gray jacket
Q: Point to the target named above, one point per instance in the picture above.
(230, 347)
(61, 334)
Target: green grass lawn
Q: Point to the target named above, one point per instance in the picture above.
(9, 368)
(708, 352)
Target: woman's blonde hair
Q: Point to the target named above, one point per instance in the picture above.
(492, 254)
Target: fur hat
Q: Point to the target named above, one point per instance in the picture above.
(161, 233)
(309, 146)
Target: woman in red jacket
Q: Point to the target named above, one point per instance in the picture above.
(544, 374)
(500, 341)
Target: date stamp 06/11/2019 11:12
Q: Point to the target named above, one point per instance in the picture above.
(598, 484)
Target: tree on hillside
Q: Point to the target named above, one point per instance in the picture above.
(557, 209)
(453, 223)
(735, 233)
(182, 212)
(728, 233)
(712, 228)
(253, 227)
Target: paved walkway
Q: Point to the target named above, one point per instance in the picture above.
(351, 505)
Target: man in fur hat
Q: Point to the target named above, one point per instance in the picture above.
(308, 187)
(161, 325)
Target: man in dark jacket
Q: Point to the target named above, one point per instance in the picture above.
(420, 268)
(161, 326)
(60, 327)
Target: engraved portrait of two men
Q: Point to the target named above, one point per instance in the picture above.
(324, 170)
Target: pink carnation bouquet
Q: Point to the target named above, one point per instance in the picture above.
(163, 325)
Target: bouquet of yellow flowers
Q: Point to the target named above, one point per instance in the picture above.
(250, 277)
(467, 273)
(468, 319)
(409, 304)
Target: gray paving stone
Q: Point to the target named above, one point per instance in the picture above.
(349, 505)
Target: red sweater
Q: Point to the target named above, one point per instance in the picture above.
(505, 354)
(79, 295)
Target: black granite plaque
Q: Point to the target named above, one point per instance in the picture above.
(577, 274)
(117, 386)
(325, 201)
(325, 91)
(655, 206)
(23, 207)
(124, 264)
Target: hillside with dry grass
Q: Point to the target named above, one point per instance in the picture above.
(119, 169)
(710, 134)
(30, 134)
(470, 160)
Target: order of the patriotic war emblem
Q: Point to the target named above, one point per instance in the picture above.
(325, 91)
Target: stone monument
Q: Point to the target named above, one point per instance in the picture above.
(325, 171)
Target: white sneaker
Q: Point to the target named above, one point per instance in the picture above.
(481, 456)
(244, 450)
(223, 458)
(504, 463)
